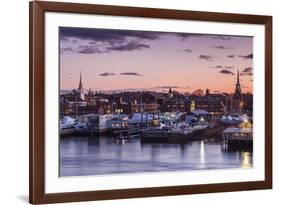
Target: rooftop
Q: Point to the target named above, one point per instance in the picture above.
(200, 112)
(238, 130)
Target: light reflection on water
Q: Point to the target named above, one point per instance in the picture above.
(247, 160)
(202, 152)
(97, 156)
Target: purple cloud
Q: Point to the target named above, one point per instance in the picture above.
(106, 74)
(227, 72)
(130, 74)
(247, 71)
(222, 47)
(108, 35)
(250, 56)
(187, 50)
(133, 45)
(89, 50)
(68, 49)
(206, 57)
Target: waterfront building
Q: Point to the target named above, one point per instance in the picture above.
(115, 124)
(97, 122)
(192, 106)
(121, 108)
(174, 102)
(213, 103)
(212, 106)
(142, 119)
(173, 105)
(144, 107)
(148, 98)
(132, 102)
(238, 136)
(146, 102)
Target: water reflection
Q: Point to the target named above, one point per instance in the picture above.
(246, 160)
(104, 155)
(202, 152)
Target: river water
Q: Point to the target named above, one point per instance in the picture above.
(81, 156)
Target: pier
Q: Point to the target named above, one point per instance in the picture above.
(127, 133)
(234, 137)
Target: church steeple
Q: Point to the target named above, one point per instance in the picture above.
(237, 87)
(80, 88)
(80, 82)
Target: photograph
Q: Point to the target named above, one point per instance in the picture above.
(136, 101)
(132, 102)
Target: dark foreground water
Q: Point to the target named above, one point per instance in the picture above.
(97, 156)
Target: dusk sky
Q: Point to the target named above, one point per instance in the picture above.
(122, 59)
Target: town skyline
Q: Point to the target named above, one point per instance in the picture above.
(159, 89)
(140, 60)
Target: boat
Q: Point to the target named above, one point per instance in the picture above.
(234, 119)
(68, 125)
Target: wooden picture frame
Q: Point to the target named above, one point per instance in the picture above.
(37, 193)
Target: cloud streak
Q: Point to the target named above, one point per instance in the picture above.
(90, 50)
(227, 72)
(222, 47)
(130, 74)
(130, 46)
(206, 57)
(68, 49)
(106, 74)
(187, 50)
(247, 71)
(250, 56)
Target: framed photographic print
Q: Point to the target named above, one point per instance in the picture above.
(138, 102)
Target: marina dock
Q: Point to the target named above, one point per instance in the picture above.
(237, 137)
(127, 133)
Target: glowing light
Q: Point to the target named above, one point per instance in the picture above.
(245, 124)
